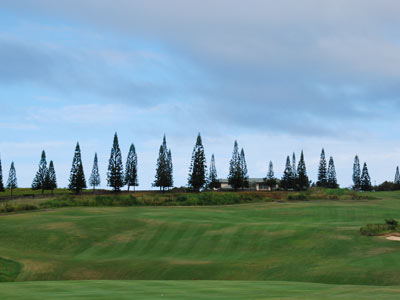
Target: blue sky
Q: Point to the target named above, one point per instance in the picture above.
(278, 77)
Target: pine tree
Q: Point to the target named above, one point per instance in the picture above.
(94, 179)
(322, 171)
(115, 175)
(243, 167)
(235, 179)
(51, 179)
(294, 169)
(332, 182)
(131, 177)
(198, 169)
(12, 179)
(1, 178)
(287, 178)
(164, 169)
(397, 176)
(270, 179)
(213, 182)
(77, 181)
(356, 173)
(365, 181)
(39, 182)
(170, 170)
(302, 178)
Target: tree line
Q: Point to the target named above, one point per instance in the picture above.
(199, 178)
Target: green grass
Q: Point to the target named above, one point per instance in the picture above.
(194, 290)
(305, 241)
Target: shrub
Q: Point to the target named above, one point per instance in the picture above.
(391, 225)
(375, 229)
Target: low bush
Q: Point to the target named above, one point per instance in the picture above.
(390, 226)
(13, 207)
(298, 197)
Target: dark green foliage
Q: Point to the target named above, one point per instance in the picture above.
(287, 178)
(356, 174)
(170, 169)
(94, 179)
(243, 167)
(392, 223)
(322, 171)
(39, 182)
(213, 182)
(390, 226)
(1, 178)
(198, 168)
(365, 181)
(51, 179)
(332, 181)
(302, 182)
(270, 180)
(131, 176)
(294, 168)
(115, 174)
(375, 229)
(386, 186)
(397, 176)
(77, 181)
(235, 177)
(12, 178)
(164, 167)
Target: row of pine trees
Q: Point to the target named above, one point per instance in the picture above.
(294, 175)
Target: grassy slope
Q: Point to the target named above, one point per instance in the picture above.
(316, 241)
(229, 290)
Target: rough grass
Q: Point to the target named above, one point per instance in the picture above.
(195, 290)
(175, 198)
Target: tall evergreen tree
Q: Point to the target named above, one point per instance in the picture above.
(1, 178)
(322, 171)
(115, 174)
(332, 181)
(77, 181)
(94, 179)
(51, 179)
(397, 176)
(213, 182)
(356, 174)
(271, 181)
(131, 177)
(302, 179)
(12, 179)
(170, 170)
(39, 182)
(294, 168)
(365, 181)
(164, 169)
(287, 178)
(243, 167)
(235, 177)
(198, 168)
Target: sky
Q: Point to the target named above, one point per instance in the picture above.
(277, 76)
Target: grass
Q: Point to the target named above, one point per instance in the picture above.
(299, 242)
(195, 290)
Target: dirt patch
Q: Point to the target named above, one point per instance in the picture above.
(393, 238)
